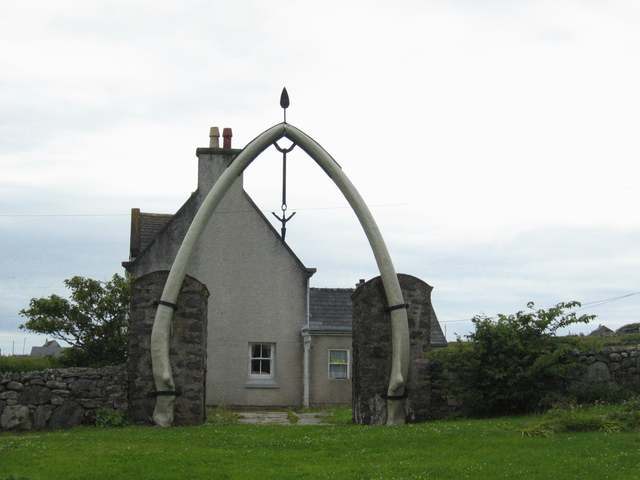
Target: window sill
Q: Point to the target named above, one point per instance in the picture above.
(261, 383)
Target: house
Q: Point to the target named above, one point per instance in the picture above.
(272, 339)
(51, 348)
(602, 331)
(629, 329)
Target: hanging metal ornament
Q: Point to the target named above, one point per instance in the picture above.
(284, 103)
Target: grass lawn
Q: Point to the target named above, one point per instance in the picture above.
(453, 449)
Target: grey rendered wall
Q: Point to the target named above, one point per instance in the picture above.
(257, 294)
(322, 390)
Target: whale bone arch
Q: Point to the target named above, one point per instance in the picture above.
(161, 332)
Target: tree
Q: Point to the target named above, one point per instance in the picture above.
(510, 363)
(93, 321)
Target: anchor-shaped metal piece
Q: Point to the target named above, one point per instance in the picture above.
(284, 219)
(284, 103)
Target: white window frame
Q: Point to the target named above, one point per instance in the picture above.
(329, 363)
(271, 358)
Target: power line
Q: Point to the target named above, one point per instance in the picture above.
(594, 303)
(20, 215)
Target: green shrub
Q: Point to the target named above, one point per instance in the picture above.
(106, 417)
(511, 363)
(27, 364)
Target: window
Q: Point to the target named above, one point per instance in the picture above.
(338, 364)
(261, 360)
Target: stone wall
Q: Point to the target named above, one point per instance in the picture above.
(372, 349)
(609, 374)
(60, 398)
(613, 367)
(188, 349)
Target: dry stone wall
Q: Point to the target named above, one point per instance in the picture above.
(609, 374)
(60, 398)
(614, 366)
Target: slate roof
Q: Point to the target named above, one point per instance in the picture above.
(51, 348)
(629, 328)
(601, 331)
(150, 226)
(331, 311)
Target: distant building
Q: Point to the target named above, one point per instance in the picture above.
(51, 348)
(602, 331)
(629, 328)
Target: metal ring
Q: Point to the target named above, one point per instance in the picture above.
(398, 307)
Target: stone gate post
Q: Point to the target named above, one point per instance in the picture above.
(188, 349)
(372, 350)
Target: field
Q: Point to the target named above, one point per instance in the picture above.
(453, 449)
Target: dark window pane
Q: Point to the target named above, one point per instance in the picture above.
(338, 356)
(266, 350)
(255, 366)
(338, 371)
(266, 366)
(255, 351)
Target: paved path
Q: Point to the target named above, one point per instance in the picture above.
(281, 418)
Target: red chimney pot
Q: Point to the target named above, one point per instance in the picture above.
(226, 138)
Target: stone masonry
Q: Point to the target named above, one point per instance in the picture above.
(60, 398)
(372, 349)
(188, 349)
(603, 374)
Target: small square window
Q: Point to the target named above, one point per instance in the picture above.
(261, 360)
(338, 364)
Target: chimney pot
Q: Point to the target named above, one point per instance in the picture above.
(226, 138)
(214, 137)
(360, 282)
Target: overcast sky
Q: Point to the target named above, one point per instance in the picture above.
(496, 141)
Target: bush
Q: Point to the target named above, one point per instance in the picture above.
(28, 364)
(511, 363)
(106, 417)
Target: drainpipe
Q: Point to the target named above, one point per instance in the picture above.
(306, 339)
(306, 377)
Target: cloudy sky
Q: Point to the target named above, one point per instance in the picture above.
(496, 141)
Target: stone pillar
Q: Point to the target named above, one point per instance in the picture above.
(372, 350)
(188, 351)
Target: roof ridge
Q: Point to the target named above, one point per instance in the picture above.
(157, 214)
(332, 288)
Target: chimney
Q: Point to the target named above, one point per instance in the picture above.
(226, 138)
(214, 137)
(134, 240)
(360, 282)
(212, 161)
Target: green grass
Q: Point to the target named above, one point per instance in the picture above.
(455, 449)
(221, 416)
